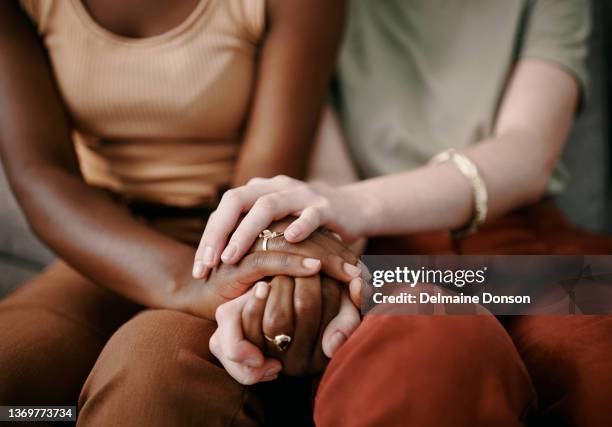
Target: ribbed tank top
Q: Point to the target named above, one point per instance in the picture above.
(160, 118)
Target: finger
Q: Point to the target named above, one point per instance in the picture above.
(235, 202)
(335, 245)
(253, 312)
(221, 223)
(307, 317)
(258, 265)
(332, 264)
(356, 289)
(241, 373)
(265, 210)
(310, 219)
(330, 294)
(231, 338)
(278, 314)
(341, 326)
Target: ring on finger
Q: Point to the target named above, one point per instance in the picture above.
(267, 235)
(281, 341)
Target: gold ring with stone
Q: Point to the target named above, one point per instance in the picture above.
(267, 235)
(281, 341)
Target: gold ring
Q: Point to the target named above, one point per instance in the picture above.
(281, 341)
(267, 235)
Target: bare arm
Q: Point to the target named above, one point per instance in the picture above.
(81, 224)
(516, 163)
(294, 71)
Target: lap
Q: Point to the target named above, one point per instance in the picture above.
(53, 329)
(566, 356)
(405, 366)
(162, 358)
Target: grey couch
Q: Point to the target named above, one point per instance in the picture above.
(586, 202)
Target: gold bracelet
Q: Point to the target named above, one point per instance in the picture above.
(479, 189)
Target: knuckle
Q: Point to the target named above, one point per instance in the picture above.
(232, 353)
(347, 323)
(285, 260)
(256, 261)
(314, 214)
(251, 311)
(248, 378)
(311, 218)
(231, 196)
(221, 312)
(304, 190)
(256, 180)
(323, 203)
(213, 344)
(266, 203)
(277, 323)
(253, 260)
(282, 179)
(322, 206)
(305, 306)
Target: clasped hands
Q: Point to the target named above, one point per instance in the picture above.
(304, 295)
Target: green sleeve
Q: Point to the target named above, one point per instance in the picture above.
(558, 31)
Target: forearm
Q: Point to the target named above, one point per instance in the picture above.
(440, 197)
(102, 240)
(532, 126)
(81, 224)
(295, 62)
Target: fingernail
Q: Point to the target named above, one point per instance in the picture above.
(311, 263)
(261, 290)
(271, 378)
(253, 362)
(198, 269)
(336, 341)
(229, 252)
(272, 371)
(352, 270)
(208, 256)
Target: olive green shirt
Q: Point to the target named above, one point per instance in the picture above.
(416, 77)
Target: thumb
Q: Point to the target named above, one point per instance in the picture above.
(341, 327)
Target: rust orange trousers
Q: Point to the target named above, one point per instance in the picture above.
(64, 341)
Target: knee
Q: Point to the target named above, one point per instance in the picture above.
(445, 342)
(148, 351)
(467, 363)
(161, 358)
(44, 357)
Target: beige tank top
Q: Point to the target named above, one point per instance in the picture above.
(157, 119)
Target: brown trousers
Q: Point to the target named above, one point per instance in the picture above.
(64, 340)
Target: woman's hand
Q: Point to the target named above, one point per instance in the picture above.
(316, 313)
(228, 282)
(267, 200)
(338, 261)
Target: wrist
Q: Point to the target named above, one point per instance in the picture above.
(194, 296)
(364, 210)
